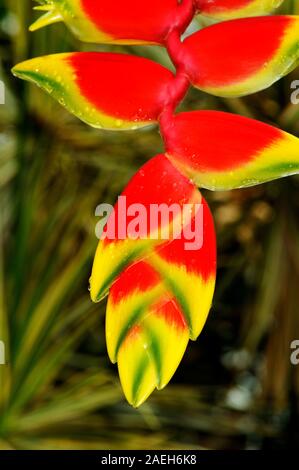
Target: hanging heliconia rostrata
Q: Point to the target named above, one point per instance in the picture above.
(160, 293)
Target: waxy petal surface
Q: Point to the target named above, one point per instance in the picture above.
(156, 305)
(118, 21)
(146, 331)
(240, 57)
(222, 151)
(188, 267)
(105, 90)
(158, 183)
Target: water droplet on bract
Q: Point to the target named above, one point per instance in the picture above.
(119, 122)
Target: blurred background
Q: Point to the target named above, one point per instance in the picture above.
(236, 387)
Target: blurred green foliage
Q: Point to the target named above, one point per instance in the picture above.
(236, 387)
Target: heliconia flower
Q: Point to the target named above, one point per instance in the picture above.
(158, 182)
(105, 90)
(160, 271)
(230, 9)
(117, 21)
(239, 57)
(221, 151)
(155, 306)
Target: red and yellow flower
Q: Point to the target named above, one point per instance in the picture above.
(160, 292)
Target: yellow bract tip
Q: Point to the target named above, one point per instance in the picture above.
(51, 17)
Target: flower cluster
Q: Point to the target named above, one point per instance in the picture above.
(160, 293)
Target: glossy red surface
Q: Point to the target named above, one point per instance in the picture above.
(127, 87)
(215, 141)
(147, 20)
(137, 277)
(228, 52)
(157, 182)
(142, 277)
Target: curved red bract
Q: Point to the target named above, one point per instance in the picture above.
(214, 140)
(146, 20)
(157, 182)
(232, 50)
(140, 276)
(123, 95)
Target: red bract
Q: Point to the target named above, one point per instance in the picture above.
(157, 182)
(125, 81)
(118, 21)
(137, 21)
(155, 306)
(240, 57)
(221, 151)
(161, 280)
(105, 90)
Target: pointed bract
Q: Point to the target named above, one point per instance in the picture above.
(240, 57)
(146, 331)
(156, 305)
(158, 185)
(136, 369)
(188, 267)
(221, 151)
(105, 90)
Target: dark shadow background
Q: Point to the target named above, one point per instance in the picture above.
(236, 387)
